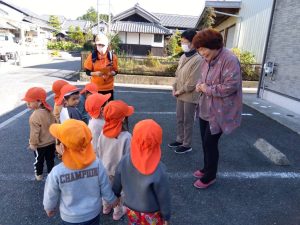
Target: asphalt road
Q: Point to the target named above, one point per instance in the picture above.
(247, 191)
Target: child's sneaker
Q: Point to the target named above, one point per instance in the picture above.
(106, 209)
(39, 177)
(119, 212)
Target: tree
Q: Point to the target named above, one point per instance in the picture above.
(76, 34)
(208, 18)
(91, 15)
(115, 42)
(173, 46)
(55, 23)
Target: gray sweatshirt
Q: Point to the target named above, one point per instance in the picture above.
(143, 193)
(78, 192)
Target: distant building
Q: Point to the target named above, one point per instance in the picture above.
(29, 29)
(282, 86)
(243, 23)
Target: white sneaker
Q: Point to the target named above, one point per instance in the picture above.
(39, 177)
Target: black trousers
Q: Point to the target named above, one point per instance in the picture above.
(107, 92)
(47, 154)
(210, 151)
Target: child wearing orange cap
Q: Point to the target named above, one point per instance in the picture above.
(143, 178)
(89, 89)
(94, 106)
(40, 141)
(114, 143)
(79, 182)
(69, 97)
(56, 88)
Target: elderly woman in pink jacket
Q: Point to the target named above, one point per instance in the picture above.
(220, 104)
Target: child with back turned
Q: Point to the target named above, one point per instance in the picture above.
(40, 142)
(143, 178)
(114, 143)
(78, 184)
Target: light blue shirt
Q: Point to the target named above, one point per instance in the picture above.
(79, 193)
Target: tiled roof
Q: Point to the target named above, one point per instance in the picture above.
(139, 27)
(180, 21)
(75, 23)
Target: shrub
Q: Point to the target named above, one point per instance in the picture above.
(63, 46)
(152, 61)
(247, 60)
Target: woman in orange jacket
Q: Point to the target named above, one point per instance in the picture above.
(102, 66)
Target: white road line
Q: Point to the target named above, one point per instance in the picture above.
(145, 92)
(184, 175)
(271, 152)
(11, 119)
(243, 175)
(156, 113)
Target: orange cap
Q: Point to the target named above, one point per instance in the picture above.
(65, 90)
(145, 146)
(94, 103)
(90, 87)
(76, 137)
(114, 114)
(56, 88)
(37, 94)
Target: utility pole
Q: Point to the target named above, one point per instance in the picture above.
(97, 17)
(109, 17)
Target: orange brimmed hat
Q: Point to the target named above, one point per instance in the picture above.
(94, 103)
(56, 88)
(114, 113)
(90, 87)
(37, 94)
(145, 146)
(76, 137)
(66, 90)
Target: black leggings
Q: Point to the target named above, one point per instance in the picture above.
(210, 151)
(47, 154)
(107, 92)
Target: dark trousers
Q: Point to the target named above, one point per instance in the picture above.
(47, 154)
(95, 221)
(210, 151)
(107, 92)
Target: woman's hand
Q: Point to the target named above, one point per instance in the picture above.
(166, 222)
(201, 87)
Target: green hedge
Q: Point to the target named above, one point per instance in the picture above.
(63, 46)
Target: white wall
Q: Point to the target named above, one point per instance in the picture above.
(252, 26)
(122, 36)
(255, 17)
(146, 39)
(133, 38)
(156, 44)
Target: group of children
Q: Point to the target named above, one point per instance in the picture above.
(104, 167)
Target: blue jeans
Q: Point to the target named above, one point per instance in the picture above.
(95, 221)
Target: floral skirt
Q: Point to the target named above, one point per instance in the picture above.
(139, 218)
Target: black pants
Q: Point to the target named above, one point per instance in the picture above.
(47, 154)
(107, 92)
(210, 151)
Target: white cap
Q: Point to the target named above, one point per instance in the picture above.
(101, 39)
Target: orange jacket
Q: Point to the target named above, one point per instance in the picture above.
(101, 63)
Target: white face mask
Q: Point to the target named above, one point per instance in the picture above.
(102, 50)
(185, 48)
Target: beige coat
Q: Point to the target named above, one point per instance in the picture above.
(40, 121)
(187, 74)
